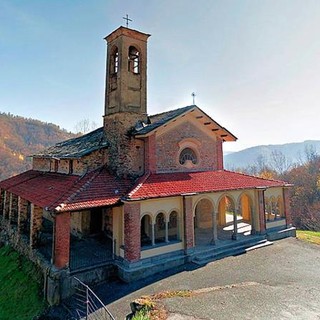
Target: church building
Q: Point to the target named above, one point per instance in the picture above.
(142, 194)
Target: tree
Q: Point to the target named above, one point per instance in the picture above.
(85, 126)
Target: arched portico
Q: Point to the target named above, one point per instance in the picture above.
(227, 218)
(203, 222)
(245, 216)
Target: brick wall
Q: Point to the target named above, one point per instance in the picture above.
(219, 153)
(132, 231)
(62, 240)
(150, 153)
(167, 149)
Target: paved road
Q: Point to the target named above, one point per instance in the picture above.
(281, 281)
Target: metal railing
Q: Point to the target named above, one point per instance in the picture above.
(88, 305)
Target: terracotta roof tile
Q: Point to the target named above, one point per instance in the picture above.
(173, 184)
(61, 192)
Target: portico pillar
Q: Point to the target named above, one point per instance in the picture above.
(35, 224)
(10, 208)
(61, 251)
(261, 211)
(214, 227)
(132, 230)
(22, 213)
(188, 223)
(287, 207)
(152, 234)
(235, 224)
(5, 204)
(253, 222)
(167, 231)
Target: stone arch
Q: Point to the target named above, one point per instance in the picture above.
(134, 59)
(245, 205)
(146, 230)
(114, 61)
(173, 225)
(160, 227)
(203, 221)
(226, 202)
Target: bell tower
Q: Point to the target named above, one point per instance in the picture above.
(126, 76)
(125, 99)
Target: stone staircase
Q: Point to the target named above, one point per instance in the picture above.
(232, 248)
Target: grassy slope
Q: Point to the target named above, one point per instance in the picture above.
(19, 298)
(310, 236)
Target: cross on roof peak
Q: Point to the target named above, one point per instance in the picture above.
(127, 20)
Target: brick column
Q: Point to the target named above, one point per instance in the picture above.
(219, 154)
(22, 213)
(188, 223)
(61, 252)
(261, 211)
(2, 192)
(150, 154)
(35, 224)
(132, 231)
(287, 207)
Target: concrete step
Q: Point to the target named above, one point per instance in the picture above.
(281, 233)
(231, 249)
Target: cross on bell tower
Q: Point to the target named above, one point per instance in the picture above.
(127, 20)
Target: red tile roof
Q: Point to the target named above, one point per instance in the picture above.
(103, 189)
(173, 184)
(61, 192)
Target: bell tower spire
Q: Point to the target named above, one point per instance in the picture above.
(126, 76)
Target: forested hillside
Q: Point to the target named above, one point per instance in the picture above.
(20, 138)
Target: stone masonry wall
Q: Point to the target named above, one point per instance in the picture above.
(126, 154)
(36, 223)
(167, 149)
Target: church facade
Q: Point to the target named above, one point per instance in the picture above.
(139, 195)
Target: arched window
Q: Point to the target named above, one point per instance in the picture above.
(146, 231)
(134, 60)
(114, 61)
(187, 155)
(160, 228)
(173, 226)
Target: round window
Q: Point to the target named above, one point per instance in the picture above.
(187, 155)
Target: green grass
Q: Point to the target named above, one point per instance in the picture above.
(19, 287)
(309, 236)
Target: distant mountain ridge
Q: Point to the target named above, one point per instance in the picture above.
(293, 152)
(21, 137)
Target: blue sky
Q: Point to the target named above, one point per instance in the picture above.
(254, 65)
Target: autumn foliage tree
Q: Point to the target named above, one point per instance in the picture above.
(305, 177)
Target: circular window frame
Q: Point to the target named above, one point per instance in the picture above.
(192, 144)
